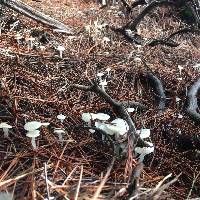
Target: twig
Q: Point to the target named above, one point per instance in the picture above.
(46, 180)
(79, 184)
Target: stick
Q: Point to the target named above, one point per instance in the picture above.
(34, 14)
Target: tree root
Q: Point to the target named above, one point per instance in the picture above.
(36, 15)
(192, 107)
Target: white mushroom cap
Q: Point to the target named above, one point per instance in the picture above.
(5, 125)
(144, 150)
(130, 110)
(104, 127)
(144, 133)
(61, 117)
(60, 48)
(102, 116)
(31, 38)
(108, 69)
(18, 36)
(33, 133)
(45, 123)
(117, 126)
(33, 125)
(180, 67)
(122, 124)
(103, 83)
(58, 130)
(100, 74)
(87, 117)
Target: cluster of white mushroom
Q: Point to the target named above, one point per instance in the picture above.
(32, 129)
(117, 127)
(96, 31)
(30, 41)
(143, 151)
(103, 82)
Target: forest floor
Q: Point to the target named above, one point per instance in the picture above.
(35, 87)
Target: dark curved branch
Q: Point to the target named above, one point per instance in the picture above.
(168, 41)
(34, 14)
(158, 88)
(192, 107)
(134, 23)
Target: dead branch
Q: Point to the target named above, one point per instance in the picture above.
(36, 15)
(192, 107)
(134, 23)
(157, 86)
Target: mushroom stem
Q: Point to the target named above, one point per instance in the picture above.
(5, 130)
(33, 142)
(60, 54)
(60, 137)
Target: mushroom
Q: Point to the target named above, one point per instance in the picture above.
(33, 125)
(144, 151)
(108, 71)
(144, 133)
(61, 117)
(18, 37)
(103, 84)
(87, 117)
(5, 128)
(117, 127)
(102, 116)
(180, 69)
(60, 49)
(99, 75)
(59, 131)
(30, 42)
(130, 110)
(33, 134)
(42, 48)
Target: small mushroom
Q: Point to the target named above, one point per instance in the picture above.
(42, 48)
(5, 128)
(144, 151)
(99, 75)
(33, 134)
(60, 49)
(130, 110)
(145, 133)
(33, 125)
(18, 37)
(103, 84)
(30, 42)
(61, 117)
(87, 117)
(180, 69)
(59, 131)
(108, 71)
(102, 116)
